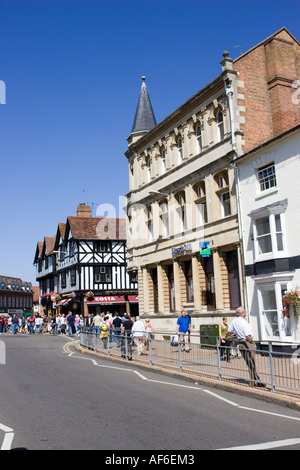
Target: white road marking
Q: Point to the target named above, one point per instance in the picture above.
(8, 437)
(261, 446)
(7, 442)
(266, 445)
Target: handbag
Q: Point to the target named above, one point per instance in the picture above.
(174, 340)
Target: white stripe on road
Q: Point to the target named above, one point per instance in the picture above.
(5, 428)
(8, 437)
(7, 442)
(266, 445)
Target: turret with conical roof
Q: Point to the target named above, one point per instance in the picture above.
(144, 118)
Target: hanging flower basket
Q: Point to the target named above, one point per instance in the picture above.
(90, 295)
(291, 299)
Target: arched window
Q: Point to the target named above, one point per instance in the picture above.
(163, 161)
(181, 212)
(198, 138)
(148, 164)
(164, 217)
(200, 201)
(220, 125)
(179, 149)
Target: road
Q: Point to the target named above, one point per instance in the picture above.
(54, 397)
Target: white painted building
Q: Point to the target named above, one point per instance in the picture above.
(270, 221)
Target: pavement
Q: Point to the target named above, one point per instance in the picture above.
(165, 365)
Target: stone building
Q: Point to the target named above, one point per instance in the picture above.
(184, 235)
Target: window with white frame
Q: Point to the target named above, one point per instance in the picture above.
(200, 202)
(273, 321)
(266, 176)
(220, 125)
(150, 223)
(199, 138)
(179, 150)
(269, 233)
(164, 218)
(181, 210)
(163, 161)
(148, 166)
(223, 193)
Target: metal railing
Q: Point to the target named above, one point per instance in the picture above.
(230, 361)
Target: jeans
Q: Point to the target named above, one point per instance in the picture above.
(15, 328)
(117, 334)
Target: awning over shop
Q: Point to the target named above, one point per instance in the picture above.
(133, 299)
(107, 300)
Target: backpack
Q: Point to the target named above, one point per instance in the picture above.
(104, 327)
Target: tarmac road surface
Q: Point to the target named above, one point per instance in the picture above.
(55, 397)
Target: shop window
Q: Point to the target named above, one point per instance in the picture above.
(171, 288)
(233, 278)
(210, 295)
(189, 281)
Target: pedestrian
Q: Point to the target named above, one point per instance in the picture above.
(104, 332)
(70, 320)
(149, 333)
(31, 324)
(15, 324)
(138, 333)
(97, 320)
(2, 323)
(116, 326)
(183, 329)
(77, 324)
(126, 346)
(244, 335)
(224, 343)
(38, 322)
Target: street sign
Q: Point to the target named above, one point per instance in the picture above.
(53, 297)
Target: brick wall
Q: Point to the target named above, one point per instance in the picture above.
(266, 74)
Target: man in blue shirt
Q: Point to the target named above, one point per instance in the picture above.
(183, 328)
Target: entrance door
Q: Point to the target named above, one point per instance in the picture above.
(274, 324)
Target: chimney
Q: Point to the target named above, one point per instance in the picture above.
(84, 210)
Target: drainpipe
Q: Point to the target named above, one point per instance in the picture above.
(229, 94)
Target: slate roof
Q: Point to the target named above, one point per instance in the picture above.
(144, 118)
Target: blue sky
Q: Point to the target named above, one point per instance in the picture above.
(72, 70)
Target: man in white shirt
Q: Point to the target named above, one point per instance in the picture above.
(241, 328)
(138, 333)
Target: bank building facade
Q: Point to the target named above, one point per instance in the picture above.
(184, 238)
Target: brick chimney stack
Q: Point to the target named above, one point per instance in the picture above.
(84, 210)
